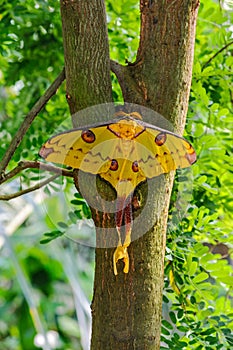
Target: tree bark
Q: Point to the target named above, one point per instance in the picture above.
(126, 308)
(86, 51)
(161, 76)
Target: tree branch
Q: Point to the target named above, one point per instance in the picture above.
(217, 53)
(131, 92)
(35, 165)
(7, 197)
(29, 119)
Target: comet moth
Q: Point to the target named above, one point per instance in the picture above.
(124, 151)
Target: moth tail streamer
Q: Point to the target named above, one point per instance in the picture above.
(121, 251)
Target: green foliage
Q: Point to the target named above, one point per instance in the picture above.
(36, 280)
(31, 58)
(198, 287)
(81, 212)
(123, 29)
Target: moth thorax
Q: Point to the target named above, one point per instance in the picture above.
(128, 132)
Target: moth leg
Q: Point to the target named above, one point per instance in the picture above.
(121, 250)
(121, 253)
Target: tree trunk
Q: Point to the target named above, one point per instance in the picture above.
(86, 52)
(126, 308)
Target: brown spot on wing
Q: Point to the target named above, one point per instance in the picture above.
(191, 154)
(45, 152)
(191, 157)
(114, 165)
(135, 167)
(88, 136)
(160, 139)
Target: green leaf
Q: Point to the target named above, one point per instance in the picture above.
(78, 215)
(50, 236)
(77, 201)
(62, 224)
(183, 328)
(166, 324)
(78, 196)
(180, 313)
(165, 299)
(86, 211)
(73, 216)
(173, 317)
(201, 179)
(208, 331)
(200, 277)
(192, 268)
(165, 331)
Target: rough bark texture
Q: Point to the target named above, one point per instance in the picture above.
(86, 53)
(126, 308)
(161, 76)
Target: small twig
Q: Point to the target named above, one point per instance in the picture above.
(35, 165)
(217, 53)
(29, 119)
(115, 66)
(130, 89)
(7, 197)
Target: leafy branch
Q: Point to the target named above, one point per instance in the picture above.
(16, 140)
(7, 197)
(217, 53)
(33, 165)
